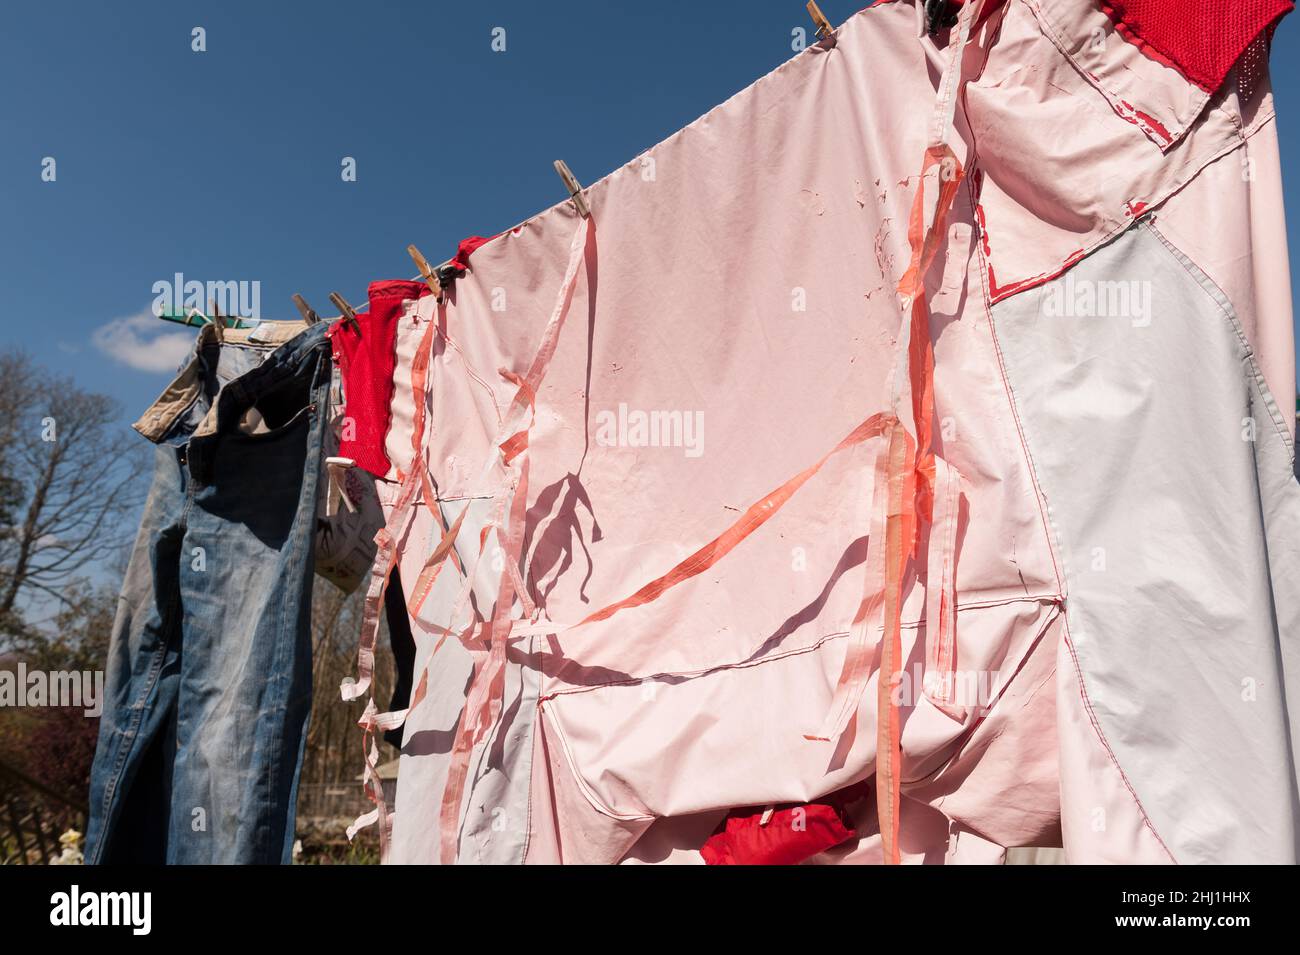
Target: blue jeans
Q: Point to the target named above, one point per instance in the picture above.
(209, 671)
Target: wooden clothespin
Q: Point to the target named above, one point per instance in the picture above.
(349, 316)
(215, 323)
(430, 276)
(824, 28)
(308, 313)
(335, 469)
(574, 187)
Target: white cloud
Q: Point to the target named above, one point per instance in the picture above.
(143, 343)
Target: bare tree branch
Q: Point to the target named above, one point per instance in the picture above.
(70, 481)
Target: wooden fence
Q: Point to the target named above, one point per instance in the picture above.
(32, 817)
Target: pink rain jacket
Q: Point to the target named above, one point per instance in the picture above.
(964, 360)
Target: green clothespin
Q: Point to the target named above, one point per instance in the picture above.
(196, 319)
(187, 317)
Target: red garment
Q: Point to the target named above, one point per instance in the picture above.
(366, 359)
(1202, 39)
(790, 835)
(460, 262)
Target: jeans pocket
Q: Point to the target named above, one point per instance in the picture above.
(255, 428)
(278, 411)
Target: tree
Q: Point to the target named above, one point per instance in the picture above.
(70, 482)
(15, 378)
(78, 636)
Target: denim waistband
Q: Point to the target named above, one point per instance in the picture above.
(246, 360)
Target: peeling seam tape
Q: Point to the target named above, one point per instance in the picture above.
(372, 721)
(916, 496)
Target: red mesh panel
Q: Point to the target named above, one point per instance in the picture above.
(1201, 39)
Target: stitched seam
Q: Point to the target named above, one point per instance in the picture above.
(1233, 143)
(173, 601)
(532, 758)
(1220, 300)
(784, 654)
(1041, 498)
(1178, 129)
(155, 669)
(1101, 736)
(1056, 534)
(959, 744)
(587, 792)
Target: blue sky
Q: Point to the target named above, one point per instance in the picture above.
(227, 164)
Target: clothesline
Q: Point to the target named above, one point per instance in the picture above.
(575, 194)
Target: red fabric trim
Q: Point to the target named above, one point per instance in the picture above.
(460, 261)
(1202, 39)
(366, 360)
